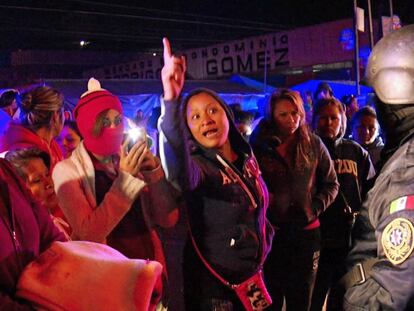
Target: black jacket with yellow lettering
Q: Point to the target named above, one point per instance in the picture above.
(354, 170)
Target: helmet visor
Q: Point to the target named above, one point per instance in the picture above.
(394, 85)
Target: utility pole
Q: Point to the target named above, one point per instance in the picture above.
(391, 15)
(356, 50)
(265, 72)
(371, 34)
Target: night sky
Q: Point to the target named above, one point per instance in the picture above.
(138, 26)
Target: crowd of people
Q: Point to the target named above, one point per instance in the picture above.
(307, 210)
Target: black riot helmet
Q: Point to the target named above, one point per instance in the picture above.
(390, 69)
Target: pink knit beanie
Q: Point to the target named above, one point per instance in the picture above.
(91, 104)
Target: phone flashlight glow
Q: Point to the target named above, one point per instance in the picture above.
(137, 133)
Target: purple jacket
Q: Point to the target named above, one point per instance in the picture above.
(34, 233)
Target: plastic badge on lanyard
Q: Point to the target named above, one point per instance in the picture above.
(253, 293)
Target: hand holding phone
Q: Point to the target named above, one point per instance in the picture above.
(135, 153)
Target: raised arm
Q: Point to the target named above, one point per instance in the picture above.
(173, 73)
(171, 139)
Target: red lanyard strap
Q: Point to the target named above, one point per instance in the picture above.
(234, 175)
(205, 262)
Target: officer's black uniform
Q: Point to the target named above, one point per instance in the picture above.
(391, 285)
(382, 259)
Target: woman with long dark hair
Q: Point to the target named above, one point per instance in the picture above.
(224, 193)
(302, 183)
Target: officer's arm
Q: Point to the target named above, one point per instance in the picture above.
(391, 285)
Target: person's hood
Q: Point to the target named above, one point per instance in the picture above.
(17, 136)
(378, 142)
(264, 136)
(238, 143)
(332, 143)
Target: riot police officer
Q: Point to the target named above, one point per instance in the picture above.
(381, 263)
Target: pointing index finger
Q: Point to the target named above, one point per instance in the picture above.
(167, 49)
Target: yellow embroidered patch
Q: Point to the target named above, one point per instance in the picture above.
(398, 240)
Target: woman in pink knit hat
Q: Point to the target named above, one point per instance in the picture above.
(110, 194)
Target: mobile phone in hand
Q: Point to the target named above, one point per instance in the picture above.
(136, 135)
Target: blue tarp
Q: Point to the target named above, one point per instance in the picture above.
(145, 94)
(340, 88)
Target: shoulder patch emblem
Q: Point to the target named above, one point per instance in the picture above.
(402, 203)
(397, 240)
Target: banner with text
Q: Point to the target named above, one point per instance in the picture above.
(237, 57)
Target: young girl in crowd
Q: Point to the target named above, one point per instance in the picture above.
(302, 183)
(32, 165)
(365, 131)
(110, 194)
(353, 168)
(41, 120)
(69, 138)
(224, 192)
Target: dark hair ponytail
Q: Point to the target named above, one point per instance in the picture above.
(38, 106)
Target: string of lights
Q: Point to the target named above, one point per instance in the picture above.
(180, 14)
(141, 17)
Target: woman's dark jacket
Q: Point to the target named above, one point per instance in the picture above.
(354, 170)
(227, 222)
(298, 195)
